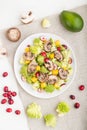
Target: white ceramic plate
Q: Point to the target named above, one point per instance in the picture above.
(28, 87)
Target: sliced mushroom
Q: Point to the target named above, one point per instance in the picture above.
(28, 56)
(27, 17)
(49, 65)
(52, 79)
(43, 77)
(47, 46)
(32, 67)
(63, 73)
(13, 34)
(58, 55)
(55, 66)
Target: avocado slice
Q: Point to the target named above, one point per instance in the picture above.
(71, 21)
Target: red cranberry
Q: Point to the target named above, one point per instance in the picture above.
(72, 97)
(59, 48)
(9, 97)
(43, 54)
(5, 74)
(10, 101)
(6, 89)
(3, 101)
(5, 95)
(46, 59)
(9, 110)
(76, 105)
(13, 94)
(9, 93)
(81, 87)
(37, 74)
(18, 112)
(65, 46)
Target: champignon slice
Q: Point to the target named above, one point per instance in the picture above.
(52, 79)
(32, 67)
(63, 73)
(58, 55)
(28, 56)
(49, 65)
(55, 66)
(43, 77)
(27, 17)
(47, 46)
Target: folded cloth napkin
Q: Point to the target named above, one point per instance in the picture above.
(10, 120)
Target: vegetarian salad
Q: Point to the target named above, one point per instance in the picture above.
(47, 64)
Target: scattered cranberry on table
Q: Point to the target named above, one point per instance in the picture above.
(81, 87)
(5, 74)
(5, 95)
(72, 97)
(5, 88)
(77, 105)
(18, 112)
(3, 101)
(13, 94)
(9, 110)
(10, 101)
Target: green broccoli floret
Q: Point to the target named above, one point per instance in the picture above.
(49, 88)
(44, 69)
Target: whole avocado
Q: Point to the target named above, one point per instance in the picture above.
(71, 21)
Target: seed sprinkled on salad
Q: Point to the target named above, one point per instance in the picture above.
(47, 64)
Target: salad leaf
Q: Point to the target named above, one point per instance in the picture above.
(62, 108)
(40, 59)
(44, 69)
(38, 42)
(36, 85)
(34, 111)
(35, 49)
(28, 78)
(23, 71)
(66, 53)
(50, 120)
(49, 88)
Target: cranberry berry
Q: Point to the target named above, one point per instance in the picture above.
(13, 94)
(3, 101)
(5, 74)
(81, 87)
(72, 97)
(43, 54)
(18, 112)
(10, 101)
(9, 110)
(46, 59)
(5, 88)
(77, 105)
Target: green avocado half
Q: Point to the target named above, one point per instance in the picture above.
(71, 21)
